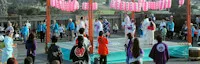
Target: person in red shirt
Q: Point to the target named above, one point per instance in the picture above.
(102, 48)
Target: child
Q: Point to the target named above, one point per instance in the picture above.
(54, 51)
(103, 49)
(164, 32)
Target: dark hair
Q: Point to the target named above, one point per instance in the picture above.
(150, 19)
(159, 38)
(136, 48)
(81, 30)
(55, 62)
(164, 26)
(100, 18)
(129, 35)
(101, 33)
(31, 38)
(151, 24)
(146, 16)
(12, 61)
(81, 18)
(54, 39)
(28, 60)
(80, 41)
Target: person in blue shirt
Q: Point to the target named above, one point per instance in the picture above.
(25, 32)
(41, 28)
(193, 30)
(170, 28)
(70, 29)
(54, 29)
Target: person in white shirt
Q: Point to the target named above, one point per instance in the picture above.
(28, 24)
(61, 30)
(145, 25)
(127, 24)
(162, 23)
(98, 26)
(10, 27)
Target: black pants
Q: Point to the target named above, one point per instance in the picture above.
(170, 34)
(103, 59)
(42, 36)
(114, 31)
(61, 35)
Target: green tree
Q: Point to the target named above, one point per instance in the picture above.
(3, 7)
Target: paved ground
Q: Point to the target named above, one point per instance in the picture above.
(41, 57)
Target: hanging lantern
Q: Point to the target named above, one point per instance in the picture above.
(181, 2)
(169, 4)
(94, 6)
(161, 5)
(141, 1)
(145, 6)
(127, 6)
(53, 3)
(122, 5)
(112, 4)
(138, 7)
(118, 4)
(131, 6)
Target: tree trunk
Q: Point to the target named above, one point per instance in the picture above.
(3, 8)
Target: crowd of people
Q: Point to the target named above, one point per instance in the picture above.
(80, 53)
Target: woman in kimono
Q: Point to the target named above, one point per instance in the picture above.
(159, 52)
(98, 26)
(7, 51)
(135, 53)
(150, 32)
(145, 24)
(127, 24)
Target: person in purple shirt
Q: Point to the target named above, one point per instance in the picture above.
(159, 52)
(31, 46)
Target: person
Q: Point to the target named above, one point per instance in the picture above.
(28, 60)
(159, 52)
(164, 32)
(31, 46)
(115, 28)
(86, 42)
(55, 28)
(127, 45)
(82, 24)
(197, 20)
(150, 32)
(12, 61)
(135, 53)
(106, 27)
(145, 24)
(162, 23)
(54, 52)
(7, 51)
(170, 28)
(10, 28)
(102, 48)
(55, 62)
(70, 30)
(41, 29)
(98, 26)
(25, 32)
(127, 24)
(193, 33)
(61, 30)
(133, 27)
(79, 54)
(198, 35)
(28, 24)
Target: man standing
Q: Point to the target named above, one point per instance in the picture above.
(170, 28)
(55, 28)
(70, 30)
(106, 27)
(42, 30)
(82, 24)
